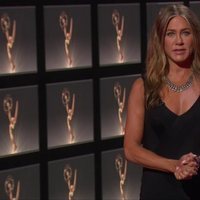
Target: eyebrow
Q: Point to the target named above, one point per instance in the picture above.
(184, 29)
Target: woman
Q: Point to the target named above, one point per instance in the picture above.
(162, 130)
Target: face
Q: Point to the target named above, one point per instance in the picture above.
(178, 42)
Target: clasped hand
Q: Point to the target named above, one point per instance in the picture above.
(187, 166)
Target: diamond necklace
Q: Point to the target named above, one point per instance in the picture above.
(179, 88)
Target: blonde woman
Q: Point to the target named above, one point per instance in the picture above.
(162, 131)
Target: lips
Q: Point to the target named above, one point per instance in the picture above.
(179, 51)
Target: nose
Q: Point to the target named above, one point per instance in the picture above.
(179, 39)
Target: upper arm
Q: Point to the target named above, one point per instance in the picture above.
(133, 149)
(135, 114)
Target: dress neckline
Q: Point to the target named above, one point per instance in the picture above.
(184, 113)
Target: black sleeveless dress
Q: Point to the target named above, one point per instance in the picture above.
(171, 136)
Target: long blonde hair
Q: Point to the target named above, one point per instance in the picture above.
(156, 61)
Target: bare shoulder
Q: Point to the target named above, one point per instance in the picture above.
(138, 88)
(139, 83)
(136, 97)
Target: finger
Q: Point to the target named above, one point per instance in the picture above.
(189, 158)
(188, 171)
(193, 164)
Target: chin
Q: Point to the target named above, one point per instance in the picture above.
(181, 60)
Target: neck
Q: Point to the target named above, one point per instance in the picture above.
(179, 73)
(179, 66)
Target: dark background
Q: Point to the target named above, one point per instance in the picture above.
(36, 73)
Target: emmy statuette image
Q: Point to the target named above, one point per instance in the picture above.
(66, 98)
(6, 28)
(66, 25)
(121, 167)
(9, 188)
(118, 23)
(121, 103)
(68, 176)
(8, 107)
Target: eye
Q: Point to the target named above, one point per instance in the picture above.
(170, 33)
(186, 33)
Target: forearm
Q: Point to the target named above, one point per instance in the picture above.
(146, 158)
